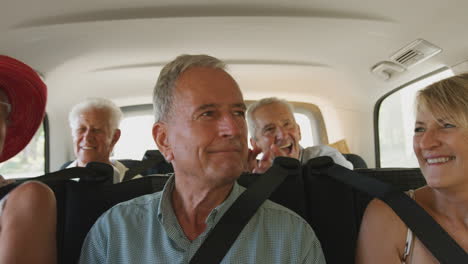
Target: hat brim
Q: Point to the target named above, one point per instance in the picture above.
(27, 95)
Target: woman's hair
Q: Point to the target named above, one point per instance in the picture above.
(447, 99)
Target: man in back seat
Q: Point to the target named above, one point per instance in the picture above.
(201, 129)
(274, 132)
(95, 130)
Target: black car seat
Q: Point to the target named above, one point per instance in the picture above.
(161, 166)
(80, 203)
(356, 160)
(333, 209)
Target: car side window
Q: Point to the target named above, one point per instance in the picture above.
(31, 161)
(135, 136)
(395, 116)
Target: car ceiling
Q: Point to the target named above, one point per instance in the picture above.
(314, 51)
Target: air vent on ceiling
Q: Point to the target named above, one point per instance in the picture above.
(414, 53)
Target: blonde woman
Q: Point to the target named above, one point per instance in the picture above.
(440, 143)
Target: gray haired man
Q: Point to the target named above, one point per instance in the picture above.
(275, 133)
(201, 129)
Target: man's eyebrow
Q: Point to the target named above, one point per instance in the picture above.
(205, 106)
(240, 105)
(419, 123)
(268, 125)
(208, 106)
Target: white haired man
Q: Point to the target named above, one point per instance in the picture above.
(274, 132)
(200, 128)
(95, 130)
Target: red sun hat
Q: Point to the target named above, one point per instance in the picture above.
(27, 95)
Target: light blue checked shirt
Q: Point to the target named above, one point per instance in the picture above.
(146, 230)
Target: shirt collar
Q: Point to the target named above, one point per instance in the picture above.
(165, 204)
(215, 215)
(118, 168)
(301, 152)
(166, 212)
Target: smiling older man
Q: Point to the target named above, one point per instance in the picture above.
(275, 133)
(200, 128)
(95, 131)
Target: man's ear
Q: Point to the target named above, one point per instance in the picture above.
(116, 137)
(160, 136)
(254, 143)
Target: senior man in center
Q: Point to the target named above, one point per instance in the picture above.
(201, 129)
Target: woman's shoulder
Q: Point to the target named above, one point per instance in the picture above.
(382, 233)
(381, 213)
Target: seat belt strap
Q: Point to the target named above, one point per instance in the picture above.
(66, 174)
(231, 224)
(428, 231)
(96, 171)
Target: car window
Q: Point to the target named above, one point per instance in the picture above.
(30, 162)
(135, 137)
(396, 119)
